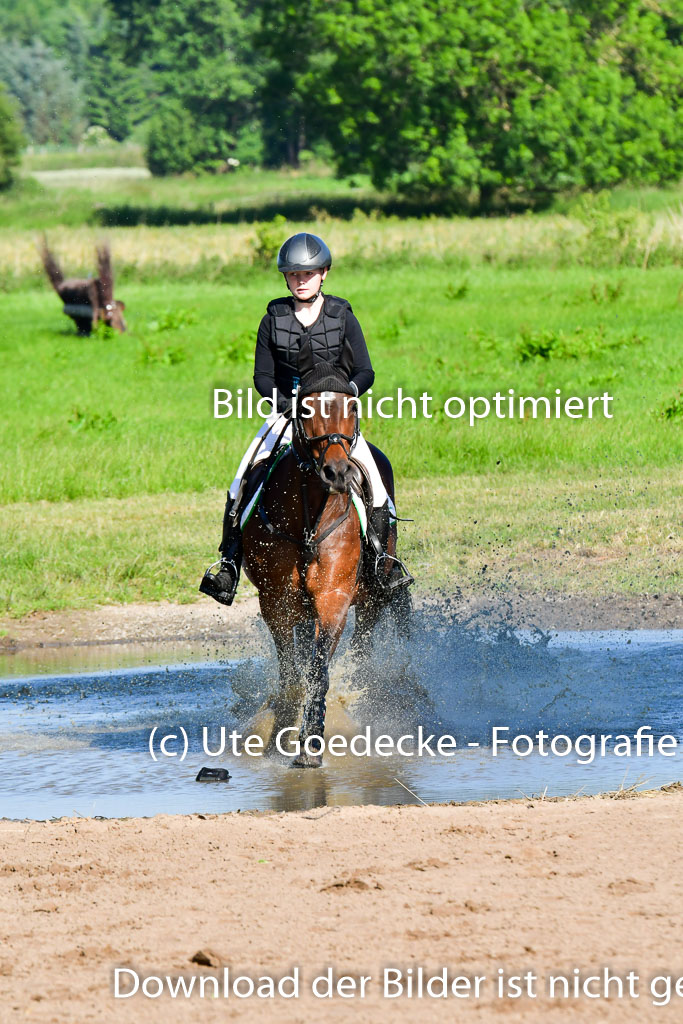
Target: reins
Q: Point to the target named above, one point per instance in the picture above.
(275, 453)
(309, 543)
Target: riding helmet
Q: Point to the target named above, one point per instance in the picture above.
(303, 252)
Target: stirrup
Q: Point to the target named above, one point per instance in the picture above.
(215, 588)
(398, 575)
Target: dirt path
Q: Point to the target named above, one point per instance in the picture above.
(533, 886)
(205, 620)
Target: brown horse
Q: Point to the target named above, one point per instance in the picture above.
(304, 553)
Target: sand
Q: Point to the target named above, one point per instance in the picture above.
(534, 886)
(205, 620)
(531, 886)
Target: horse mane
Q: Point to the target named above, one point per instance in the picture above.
(323, 375)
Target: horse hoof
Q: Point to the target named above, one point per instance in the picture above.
(308, 761)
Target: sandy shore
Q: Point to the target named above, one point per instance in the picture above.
(542, 887)
(526, 886)
(207, 621)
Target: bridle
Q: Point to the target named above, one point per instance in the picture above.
(307, 460)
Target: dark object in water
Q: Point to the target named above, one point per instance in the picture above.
(213, 775)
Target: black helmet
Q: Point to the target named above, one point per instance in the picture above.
(303, 252)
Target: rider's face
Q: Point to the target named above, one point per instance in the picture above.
(304, 284)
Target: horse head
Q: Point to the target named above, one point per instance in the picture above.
(326, 424)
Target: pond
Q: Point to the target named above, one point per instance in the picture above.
(75, 736)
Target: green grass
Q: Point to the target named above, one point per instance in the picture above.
(523, 532)
(113, 469)
(644, 198)
(247, 194)
(125, 415)
(48, 158)
(647, 199)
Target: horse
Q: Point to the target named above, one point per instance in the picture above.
(305, 553)
(87, 300)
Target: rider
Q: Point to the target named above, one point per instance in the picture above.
(326, 322)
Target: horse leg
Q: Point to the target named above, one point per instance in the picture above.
(313, 718)
(367, 615)
(286, 702)
(331, 610)
(396, 606)
(401, 610)
(281, 709)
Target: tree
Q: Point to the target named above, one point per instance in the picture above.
(118, 96)
(172, 145)
(11, 140)
(66, 26)
(80, 35)
(50, 101)
(205, 74)
(295, 61)
(499, 99)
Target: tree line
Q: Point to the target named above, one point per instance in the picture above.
(473, 102)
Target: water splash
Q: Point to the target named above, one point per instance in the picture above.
(79, 740)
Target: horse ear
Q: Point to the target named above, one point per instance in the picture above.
(305, 361)
(345, 361)
(105, 272)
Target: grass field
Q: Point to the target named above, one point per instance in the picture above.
(122, 415)
(526, 532)
(113, 466)
(51, 158)
(245, 196)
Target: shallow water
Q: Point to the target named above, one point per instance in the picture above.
(77, 742)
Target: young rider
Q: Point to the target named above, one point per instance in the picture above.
(327, 322)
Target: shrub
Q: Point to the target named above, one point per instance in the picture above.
(673, 409)
(269, 238)
(171, 141)
(11, 141)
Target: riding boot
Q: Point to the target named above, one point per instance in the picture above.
(222, 585)
(378, 535)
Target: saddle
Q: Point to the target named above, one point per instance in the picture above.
(375, 523)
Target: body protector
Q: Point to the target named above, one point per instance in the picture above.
(288, 335)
